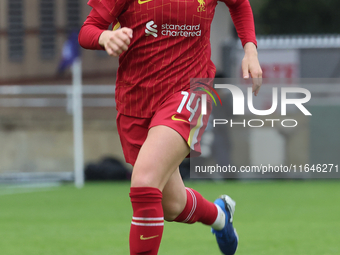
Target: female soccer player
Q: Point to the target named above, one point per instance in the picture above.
(161, 45)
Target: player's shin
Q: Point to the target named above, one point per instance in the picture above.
(199, 209)
(147, 221)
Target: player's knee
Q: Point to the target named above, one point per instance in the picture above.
(141, 178)
(142, 182)
(146, 177)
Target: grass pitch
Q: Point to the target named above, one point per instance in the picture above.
(272, 217)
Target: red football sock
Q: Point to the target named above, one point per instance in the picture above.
(147, 221)
(198, 209)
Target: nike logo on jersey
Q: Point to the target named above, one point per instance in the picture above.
(175, 119)
(147, 238)
(143, 2)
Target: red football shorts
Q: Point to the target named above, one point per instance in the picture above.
(181, 112)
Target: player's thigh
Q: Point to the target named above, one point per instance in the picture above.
(160, 155)
(174, 196)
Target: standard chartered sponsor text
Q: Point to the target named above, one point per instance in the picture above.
(181, 30)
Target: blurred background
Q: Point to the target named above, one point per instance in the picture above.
(48, 139)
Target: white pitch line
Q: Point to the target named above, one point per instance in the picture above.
(27, 188)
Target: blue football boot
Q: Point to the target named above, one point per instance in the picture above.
(227, 238)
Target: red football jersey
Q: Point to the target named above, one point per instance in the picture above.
(170, 45)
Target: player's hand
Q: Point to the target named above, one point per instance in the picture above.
(251, 65)
(115, 42)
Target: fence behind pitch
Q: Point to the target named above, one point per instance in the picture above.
(36, 131)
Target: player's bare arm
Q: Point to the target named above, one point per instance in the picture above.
(115, 42)
(251, 65)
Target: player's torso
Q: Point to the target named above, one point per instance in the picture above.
(168, 19)
(170, 45)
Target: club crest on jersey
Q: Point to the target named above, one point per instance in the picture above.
(201, 8)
